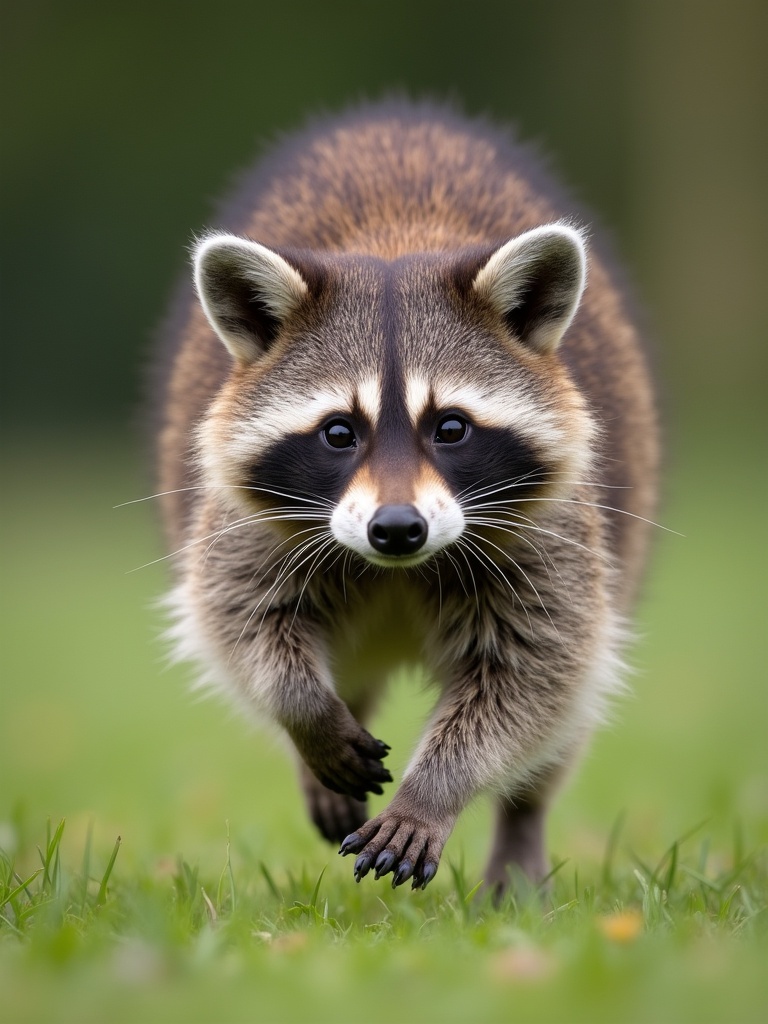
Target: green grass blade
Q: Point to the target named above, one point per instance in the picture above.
(669, 877)
(313, 900)
(270, 882)
(21, 887)
(50, 857)
(86, 868)
(611, 847)
(228, 872)
(101, 896)
(473, 892)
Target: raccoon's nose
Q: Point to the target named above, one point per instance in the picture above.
(397, 530)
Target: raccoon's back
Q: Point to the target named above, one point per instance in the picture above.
(392, 179)
(396, 178)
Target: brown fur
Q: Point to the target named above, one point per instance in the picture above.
(388, 214)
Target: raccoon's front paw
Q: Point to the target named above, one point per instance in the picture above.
(345, 758)
(402, 843)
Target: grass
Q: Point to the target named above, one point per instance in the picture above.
(217, 903)
(679, 940)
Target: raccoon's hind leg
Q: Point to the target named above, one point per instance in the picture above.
(518, 843)
(334, 814)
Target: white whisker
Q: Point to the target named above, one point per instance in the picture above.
(325, 550)
(506, 526)
(528, 580)
(457, 569)
(344, 571)
(486, 490)
(496, 571)
(313, 499)
(610, 508)
(287, 569)
(254, 520)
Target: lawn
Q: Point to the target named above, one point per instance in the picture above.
(220, 904)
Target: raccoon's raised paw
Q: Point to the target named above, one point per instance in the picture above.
(346, 759)
(397, 843)
(334, 814)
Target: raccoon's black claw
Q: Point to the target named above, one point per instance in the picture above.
(403, 873)
(424, 876)
(384, 863)
(351, 844)
(362, 866)
(367, 746)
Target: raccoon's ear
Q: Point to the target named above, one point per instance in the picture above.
(247, 292)
(535, 282)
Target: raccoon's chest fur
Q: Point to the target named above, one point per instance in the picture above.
(398, 427)
(382, 632)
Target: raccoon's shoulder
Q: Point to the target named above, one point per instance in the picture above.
(395, 177)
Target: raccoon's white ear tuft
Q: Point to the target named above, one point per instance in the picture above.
(247, 292)
(535, 282)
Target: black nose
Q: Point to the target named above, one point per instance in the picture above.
(397, 530)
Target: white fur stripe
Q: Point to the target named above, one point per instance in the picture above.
(417, 392)
(368, 393)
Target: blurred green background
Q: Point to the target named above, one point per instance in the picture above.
(122, 124)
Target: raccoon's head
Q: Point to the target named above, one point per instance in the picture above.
(393, 400)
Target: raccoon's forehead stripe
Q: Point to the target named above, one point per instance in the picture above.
(505, 407)
(418, 394)
(368, 397)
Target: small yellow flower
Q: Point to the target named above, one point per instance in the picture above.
(624, 926)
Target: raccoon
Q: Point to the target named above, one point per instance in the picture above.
(399, 427)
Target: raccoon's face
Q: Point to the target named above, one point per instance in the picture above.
(394, 401)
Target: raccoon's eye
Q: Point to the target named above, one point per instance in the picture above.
(451, 429)
(339, 434)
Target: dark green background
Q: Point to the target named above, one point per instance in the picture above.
(123, 123)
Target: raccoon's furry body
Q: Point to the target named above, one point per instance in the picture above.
(418, 441)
